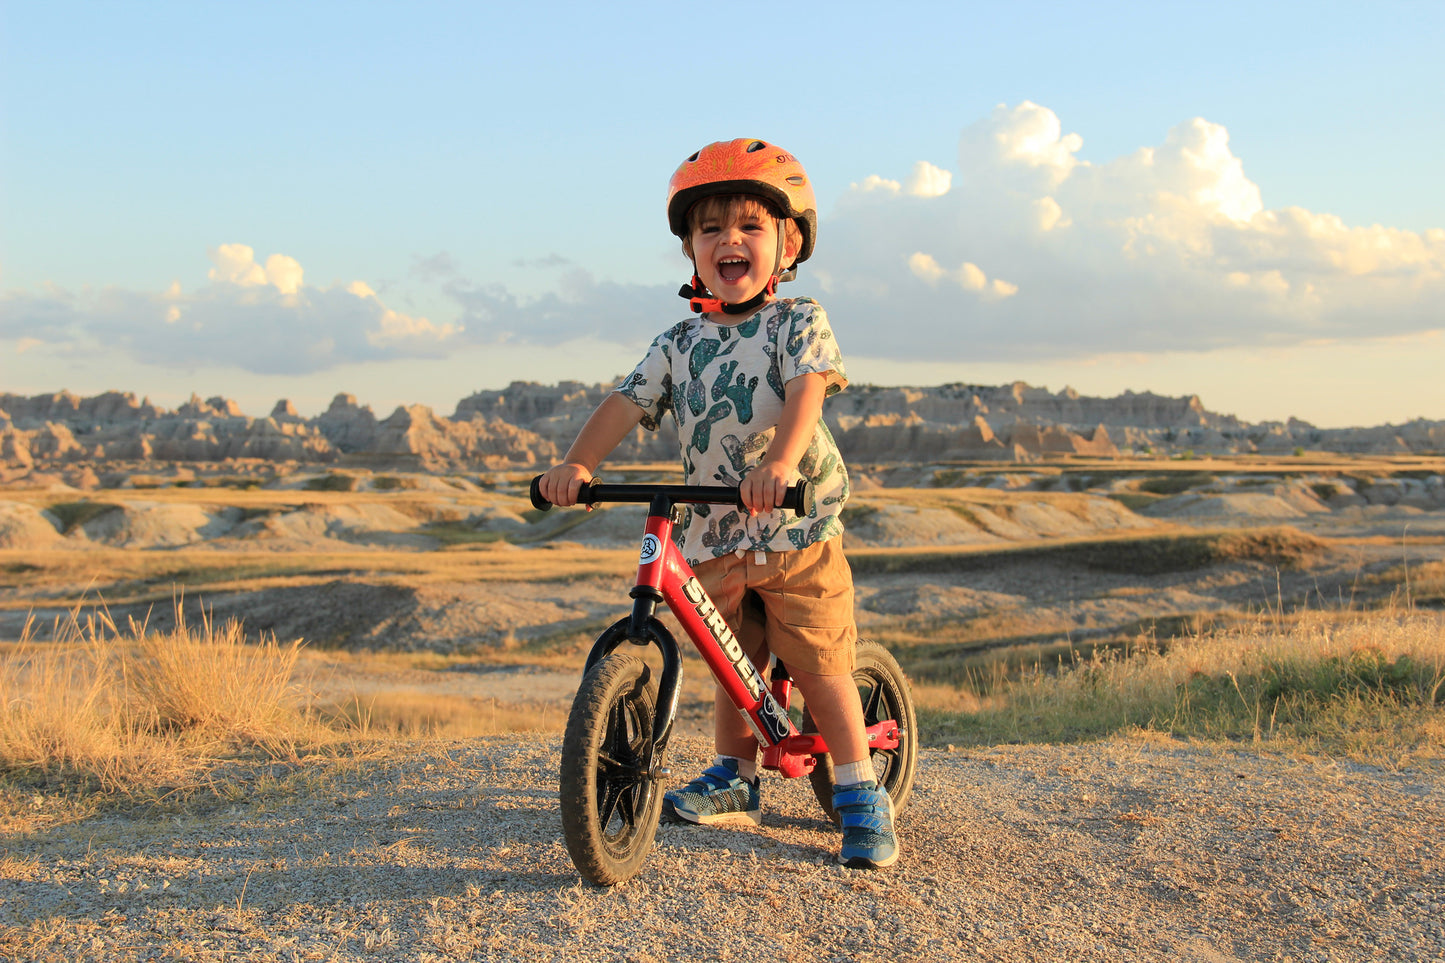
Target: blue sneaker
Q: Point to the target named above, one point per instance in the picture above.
(866, 813)
(719, 795)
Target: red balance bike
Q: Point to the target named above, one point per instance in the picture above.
(621, 719)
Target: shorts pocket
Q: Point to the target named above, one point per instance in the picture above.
(811, 611)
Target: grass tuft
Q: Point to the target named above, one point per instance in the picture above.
(212, 679)
(1371, 686)
(131, 710)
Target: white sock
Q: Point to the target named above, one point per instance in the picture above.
(854, 773)
(747, 768)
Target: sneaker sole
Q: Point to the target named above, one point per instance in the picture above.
(863, 862)
(669, 811)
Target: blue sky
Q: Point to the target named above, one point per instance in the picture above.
(409, 202)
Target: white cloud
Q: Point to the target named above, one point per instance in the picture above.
(236, 264)
(258, 317)
(925, 267)
(1050, 214)
(929, 181)
(873, 183)
(1169, 247)
(1022, 252)
(968, 276)
(283, 273)
(1025, 142)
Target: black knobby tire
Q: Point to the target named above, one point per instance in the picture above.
(610, 803)
(885, 693)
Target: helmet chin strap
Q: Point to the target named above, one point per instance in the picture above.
(699, 298)
(699, 301)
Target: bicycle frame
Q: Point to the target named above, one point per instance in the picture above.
(663, 575)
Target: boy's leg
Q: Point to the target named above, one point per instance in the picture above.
(727, 790)
(725, 581)
(732, 736)
(834, 705)
(808, 594)
(863, 806)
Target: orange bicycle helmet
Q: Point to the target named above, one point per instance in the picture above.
(745, 166)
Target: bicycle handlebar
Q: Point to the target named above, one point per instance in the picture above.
(799, 499)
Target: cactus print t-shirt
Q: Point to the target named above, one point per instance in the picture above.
(724, 384)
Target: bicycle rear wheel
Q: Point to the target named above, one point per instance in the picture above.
(610, 802)
(885, 694)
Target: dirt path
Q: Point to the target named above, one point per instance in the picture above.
(1132, 849)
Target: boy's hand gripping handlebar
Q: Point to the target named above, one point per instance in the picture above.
(799, 499)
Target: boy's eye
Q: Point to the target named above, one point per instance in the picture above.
(750, 225)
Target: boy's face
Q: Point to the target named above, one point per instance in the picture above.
(735, 251)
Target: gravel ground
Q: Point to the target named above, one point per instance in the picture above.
(1132, 849)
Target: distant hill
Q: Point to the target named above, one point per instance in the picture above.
(528, 424)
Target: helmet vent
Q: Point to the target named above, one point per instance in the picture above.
(695, 155)
(797, 180)
(755, 146)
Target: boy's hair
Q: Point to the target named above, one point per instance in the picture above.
(725, 207)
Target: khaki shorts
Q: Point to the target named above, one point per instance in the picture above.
(797, 605)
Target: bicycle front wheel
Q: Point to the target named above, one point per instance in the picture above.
(884, 691)
(610, 802)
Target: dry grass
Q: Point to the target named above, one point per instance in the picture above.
(138, 712)
(1424, 584)
(1368, 685)
(421, 715)
(211, 680)
(129, 709)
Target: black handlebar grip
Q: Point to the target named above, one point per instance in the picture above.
(538, 502)
(799, 499)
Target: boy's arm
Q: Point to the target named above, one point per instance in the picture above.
(604, 431)
(766, 486)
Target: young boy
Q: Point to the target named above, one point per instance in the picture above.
(745, 380)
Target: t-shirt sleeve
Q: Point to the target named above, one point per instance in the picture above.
(650, 384)
(810, 347)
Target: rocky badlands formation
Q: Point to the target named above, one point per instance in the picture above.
(528, 424)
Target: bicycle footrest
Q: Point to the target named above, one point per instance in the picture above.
(884, 735)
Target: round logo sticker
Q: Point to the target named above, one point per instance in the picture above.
(651, 548)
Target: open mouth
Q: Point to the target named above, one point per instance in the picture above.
(732, 269)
